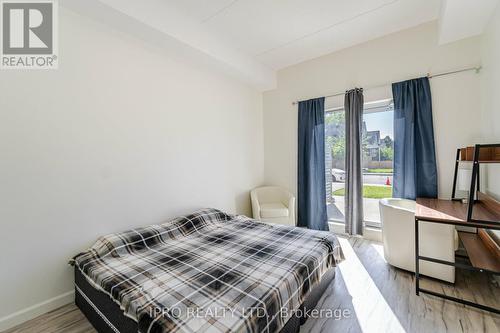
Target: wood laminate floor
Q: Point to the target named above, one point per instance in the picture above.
(373, 296)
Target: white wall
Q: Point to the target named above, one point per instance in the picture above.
(490, 86)
(490, 82)
(404, 55)
(120, 135)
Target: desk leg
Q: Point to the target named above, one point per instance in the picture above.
(417, 282)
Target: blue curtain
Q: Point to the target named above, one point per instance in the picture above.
(311, 190)
(415, 172)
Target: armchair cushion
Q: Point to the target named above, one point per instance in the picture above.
(270, 210)
(273, 204)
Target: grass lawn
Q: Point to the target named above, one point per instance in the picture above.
(372, 192)
(380, 170)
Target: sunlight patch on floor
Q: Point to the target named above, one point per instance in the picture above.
(371, 309)
(380, 249)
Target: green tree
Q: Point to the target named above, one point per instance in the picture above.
(337, 145)
(336, 118)
(386, 153)
(337, 142)
(387, 141)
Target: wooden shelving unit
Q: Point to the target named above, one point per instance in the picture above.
(477, 155)
(481, 212)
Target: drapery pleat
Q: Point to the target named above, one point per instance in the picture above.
(311, 191)
(415, 171)
(353, 105)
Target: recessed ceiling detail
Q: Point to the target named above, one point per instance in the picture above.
(281, 33)
(251, 39)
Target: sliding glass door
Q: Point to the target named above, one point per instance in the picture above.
(378, 153)
(377, 150)
(335, 163)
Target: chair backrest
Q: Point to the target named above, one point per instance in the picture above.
(269, 194)
(398, 203)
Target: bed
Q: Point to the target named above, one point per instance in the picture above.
(205, 272)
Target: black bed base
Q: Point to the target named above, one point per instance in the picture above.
(107, 317)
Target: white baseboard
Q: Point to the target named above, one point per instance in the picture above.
(36, 310)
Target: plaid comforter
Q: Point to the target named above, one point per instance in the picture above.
(210, 272)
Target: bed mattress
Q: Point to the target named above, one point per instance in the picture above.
(207, 272)
(107, 317)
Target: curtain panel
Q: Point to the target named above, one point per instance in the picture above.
(415, 171)
(353, 105)
(311, 190)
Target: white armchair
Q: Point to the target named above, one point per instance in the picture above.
(273, 204)
(398, 234)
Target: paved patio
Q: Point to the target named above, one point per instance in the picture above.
(336, 209)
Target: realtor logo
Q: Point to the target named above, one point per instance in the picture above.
(29, 39)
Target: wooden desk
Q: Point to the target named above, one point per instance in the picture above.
(486, 216)
(455, 212)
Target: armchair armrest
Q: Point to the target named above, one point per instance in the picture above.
(291, 208)
(255, 205)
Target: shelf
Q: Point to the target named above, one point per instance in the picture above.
(486, 208)
(489, 153)
(479, 255)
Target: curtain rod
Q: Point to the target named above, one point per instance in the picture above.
(430, 76)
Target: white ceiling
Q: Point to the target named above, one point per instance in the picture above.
(280, 33)
(464, 18)
(251, 39)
